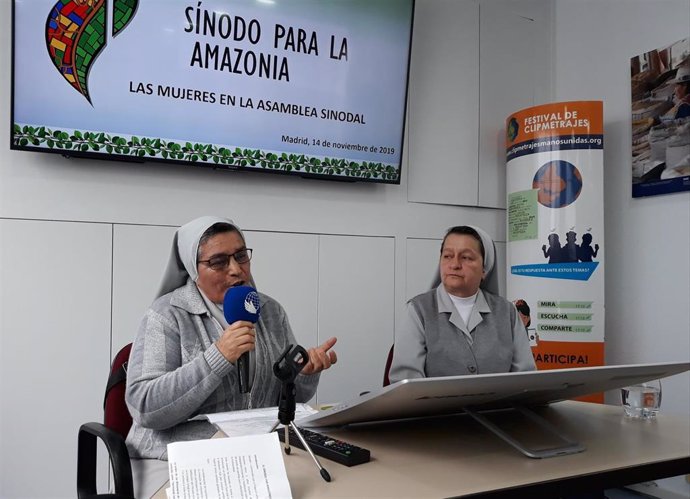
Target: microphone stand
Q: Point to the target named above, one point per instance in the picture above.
(286, 369)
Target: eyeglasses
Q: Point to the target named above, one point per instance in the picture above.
(222, 262)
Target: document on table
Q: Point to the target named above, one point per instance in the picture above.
(239, 467)
(251, 421)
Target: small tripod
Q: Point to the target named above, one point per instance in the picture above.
(286, 369)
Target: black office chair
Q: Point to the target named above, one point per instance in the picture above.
(112, 432)
(387, 369)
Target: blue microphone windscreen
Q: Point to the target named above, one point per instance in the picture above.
(241, 303)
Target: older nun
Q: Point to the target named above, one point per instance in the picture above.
(183, 361)
(461, 326)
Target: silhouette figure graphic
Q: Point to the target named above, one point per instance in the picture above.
(571, 248)
(585, 253)
(554, 252)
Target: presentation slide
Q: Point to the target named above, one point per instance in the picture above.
(299, 86)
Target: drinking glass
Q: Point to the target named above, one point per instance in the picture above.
(642, 401)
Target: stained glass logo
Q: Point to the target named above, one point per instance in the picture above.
(76, 35)
(513, 129)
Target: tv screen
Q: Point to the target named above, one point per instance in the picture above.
(306, 87)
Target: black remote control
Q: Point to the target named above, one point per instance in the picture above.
(330, 448)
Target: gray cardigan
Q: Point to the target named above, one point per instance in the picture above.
(433, 340)
(176, 372)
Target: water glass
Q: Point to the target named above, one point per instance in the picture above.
(642, 401)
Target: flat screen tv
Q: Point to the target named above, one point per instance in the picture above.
(308, 87)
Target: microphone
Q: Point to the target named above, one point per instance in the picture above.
(241, 303)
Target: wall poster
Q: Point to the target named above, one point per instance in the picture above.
(660, 90)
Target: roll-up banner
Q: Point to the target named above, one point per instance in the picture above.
(555, 230)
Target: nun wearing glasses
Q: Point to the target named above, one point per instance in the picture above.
(184, 358)
(461, 326)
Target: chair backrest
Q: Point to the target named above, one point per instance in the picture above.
(116, 414)
(387, 369)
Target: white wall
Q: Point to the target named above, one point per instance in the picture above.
(46, 378)
(648, 239)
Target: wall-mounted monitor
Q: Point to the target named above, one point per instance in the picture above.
(307, 87)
